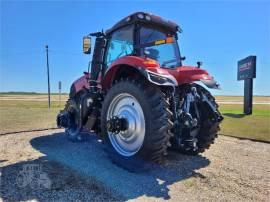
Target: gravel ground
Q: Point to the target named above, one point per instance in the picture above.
(232, 170)
(59, 183)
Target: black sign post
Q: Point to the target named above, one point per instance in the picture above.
(247, 71)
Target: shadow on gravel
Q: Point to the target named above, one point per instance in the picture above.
(89, 159)
(45, 180)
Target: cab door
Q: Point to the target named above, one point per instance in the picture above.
(120, 44)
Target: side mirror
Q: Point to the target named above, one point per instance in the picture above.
(183, 58)
(87, 45)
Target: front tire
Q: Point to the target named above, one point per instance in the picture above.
(147, 135)
(207, 131)
(73, 132)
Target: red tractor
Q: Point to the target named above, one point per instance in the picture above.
(138, 97)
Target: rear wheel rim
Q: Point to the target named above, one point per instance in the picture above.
(128, 142)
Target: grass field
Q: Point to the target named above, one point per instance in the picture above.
(28, 112)
(21, 115)
(255, 126)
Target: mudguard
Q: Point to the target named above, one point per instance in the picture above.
(145, 66)
(152, 71)
(81, 83)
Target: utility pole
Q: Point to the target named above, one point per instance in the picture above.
(59, 87)
(48, 75)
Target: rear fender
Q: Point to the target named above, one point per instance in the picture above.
(210, 83)
(143, 66)
(83, 83)
(80, 84)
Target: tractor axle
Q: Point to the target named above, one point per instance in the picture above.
(116, 124)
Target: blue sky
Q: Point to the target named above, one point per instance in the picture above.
(217, 33)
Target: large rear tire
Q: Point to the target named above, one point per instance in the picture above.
(147, 136)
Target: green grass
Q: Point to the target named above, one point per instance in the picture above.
(255, 126)
(20, 115)
(23, 115)
(25, 104)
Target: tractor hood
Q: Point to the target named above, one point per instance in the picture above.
(187, 74)
(190, 74)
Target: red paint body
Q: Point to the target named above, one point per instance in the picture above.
(183, 74)
(81, 83)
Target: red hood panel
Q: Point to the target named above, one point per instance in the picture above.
(183, 74)
(81, 83)
(188, 74)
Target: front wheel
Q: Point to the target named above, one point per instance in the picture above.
(73, 131)
(135, 124)
(196, 139)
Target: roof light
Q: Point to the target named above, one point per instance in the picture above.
(128, 19)
(140, 15)
(147, 17)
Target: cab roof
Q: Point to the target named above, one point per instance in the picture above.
(144, 18)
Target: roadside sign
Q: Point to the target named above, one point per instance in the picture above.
(247, 68)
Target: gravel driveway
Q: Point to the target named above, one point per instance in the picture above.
(232, 170)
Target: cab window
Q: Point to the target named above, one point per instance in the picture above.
(167, 54)
(120, 44)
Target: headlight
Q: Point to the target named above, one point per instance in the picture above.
(147, 17)
(158, 79)
(140, 15)
(166, 80)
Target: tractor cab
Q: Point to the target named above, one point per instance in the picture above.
(140, 34)
(152, 41)
(145, 35)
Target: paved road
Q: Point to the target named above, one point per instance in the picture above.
(232, 170)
